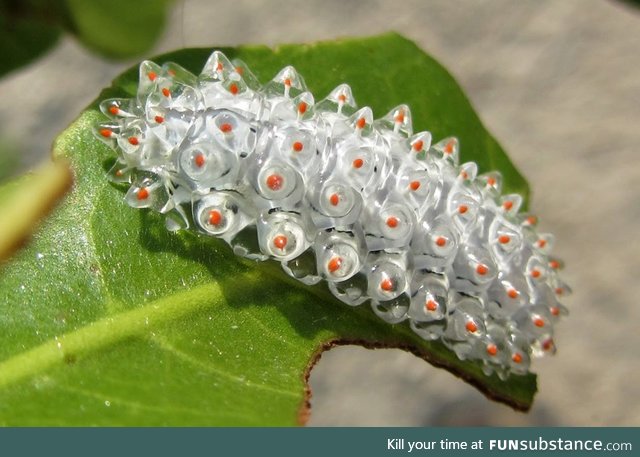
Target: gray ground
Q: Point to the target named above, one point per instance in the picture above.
(557, 82)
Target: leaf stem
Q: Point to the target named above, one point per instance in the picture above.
(28, 199)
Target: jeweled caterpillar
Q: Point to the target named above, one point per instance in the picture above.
(378, 212)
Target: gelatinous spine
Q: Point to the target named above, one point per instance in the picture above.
(377, 212)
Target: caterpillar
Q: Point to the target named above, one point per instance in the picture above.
(377, 212)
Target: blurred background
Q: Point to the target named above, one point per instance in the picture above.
(557, 83)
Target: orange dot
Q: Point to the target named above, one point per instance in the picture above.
(535, 274)
(302, 107)
(559, 290)
(387, 285)
(508, 204)
(226, 127)
(358, 163)
(441, 241)
(492, 349)
(414, 185)
(554, 264)
(152, 76)
(199, 160)
(418, 145)
(219, 67)
(166, 92)
(334, 199)
(215, 217)
(512, 293)
(538, 322)
(142, 194)
(400, 116)
(113, 109)
(555, 310)
(119, 173)
(287, 82)
(517, 358)
(471, 327)
(464, 174)
(334, 264)
(233, 88)
(298, 146)
(491, 181)
(361, 122)
(159, 119)
(542, 243)
(532, 220)
(448, 149)
(171, 72)
(239, 70)
(342, 98)
(392, 222)
(547, 345)
(431, 305)
(275, 182)
(106, 133)
(504, 239)
(482, 269)
(133, 141)
(280, 241)
(463, 209)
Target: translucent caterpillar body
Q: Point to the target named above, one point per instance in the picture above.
(379, 213)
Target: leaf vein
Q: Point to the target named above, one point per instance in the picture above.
(165, 345)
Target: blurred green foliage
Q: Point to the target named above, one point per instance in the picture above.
(113, 28)
(9, 161)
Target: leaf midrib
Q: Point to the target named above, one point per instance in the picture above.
(107, 331)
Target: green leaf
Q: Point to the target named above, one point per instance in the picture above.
(118, 28)
(113, 28)
(9, 161)
(108, 319)
(28, 29)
